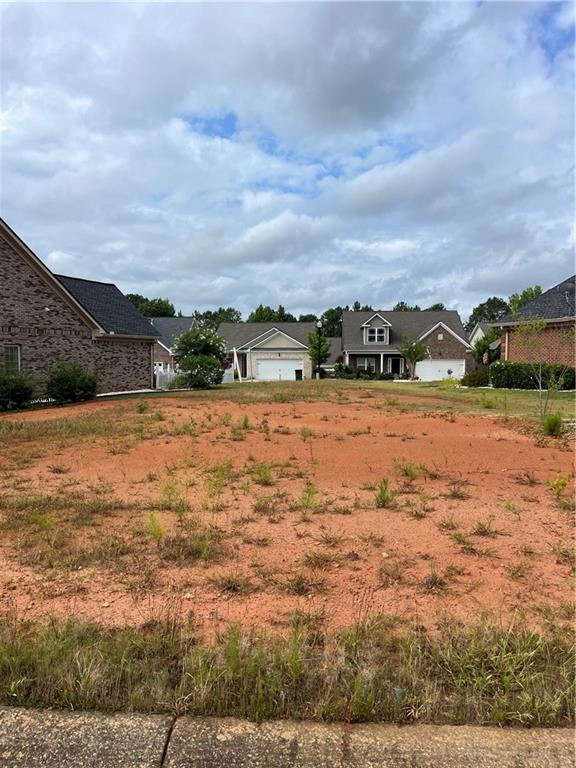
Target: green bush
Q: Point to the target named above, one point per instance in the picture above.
(71, 384)
(552, 424)
(15, 391)
(386, 376)
(477, 378)
(201, 371)
(509, 375)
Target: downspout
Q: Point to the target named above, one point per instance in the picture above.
(506, 345)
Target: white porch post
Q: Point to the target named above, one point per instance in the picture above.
(381, 362)
(237, 364)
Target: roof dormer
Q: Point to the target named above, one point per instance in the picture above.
(376, 330)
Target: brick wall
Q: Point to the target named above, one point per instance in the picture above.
(448, 348)
(161, 354)
(555, 344)
(49, 331)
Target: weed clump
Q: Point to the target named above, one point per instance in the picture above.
(385, 496)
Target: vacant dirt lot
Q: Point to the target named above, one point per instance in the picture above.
(116, 510)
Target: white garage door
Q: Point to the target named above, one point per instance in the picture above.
(278, 370)
(436, 370)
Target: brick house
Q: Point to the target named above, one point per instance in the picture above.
(556, 341)
(168, 329)
(371, 342)
(48, 319)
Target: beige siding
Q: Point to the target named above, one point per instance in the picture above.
(281, 341)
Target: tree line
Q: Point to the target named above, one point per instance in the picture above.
(486, 312)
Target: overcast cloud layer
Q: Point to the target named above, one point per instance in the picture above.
(300, 154)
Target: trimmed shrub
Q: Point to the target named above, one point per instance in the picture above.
(71, 384)
(552, 424)
(16, 391)
(201, 371)
(386, 376)
(477, 378)
(510, 375)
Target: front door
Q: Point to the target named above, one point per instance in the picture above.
(396, 365)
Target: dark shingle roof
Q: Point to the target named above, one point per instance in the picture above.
(410, 325)
(108, 306)
(170, 327)
(335, 349)
(553, 304)
(239, 334)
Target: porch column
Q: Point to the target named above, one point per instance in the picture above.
(381, 362)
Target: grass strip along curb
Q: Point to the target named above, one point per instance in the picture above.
(372, 672)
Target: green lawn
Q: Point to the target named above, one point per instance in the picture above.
(427, 396)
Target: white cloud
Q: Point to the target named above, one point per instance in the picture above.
(306, 154)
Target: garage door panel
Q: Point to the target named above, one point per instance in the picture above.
(281, 369)
(436, 370)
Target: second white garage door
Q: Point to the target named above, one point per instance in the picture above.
(278, 370)
(436, 370)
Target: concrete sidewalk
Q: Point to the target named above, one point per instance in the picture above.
(46, 739)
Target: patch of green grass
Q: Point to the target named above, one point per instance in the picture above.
(321, 560)
(481, 674)
(154, 528)
(262, 474)
(308, 500)
(385, 497)
(302, 583)
(558, 484)
(552, 425)
(486, 528)
(232, 583)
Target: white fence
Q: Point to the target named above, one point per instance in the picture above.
(163, 378)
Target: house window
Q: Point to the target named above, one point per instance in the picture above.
(12, 359)
(366, 364)
(440, 336)
(377, 335)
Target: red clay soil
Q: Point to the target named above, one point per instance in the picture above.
(403, 561)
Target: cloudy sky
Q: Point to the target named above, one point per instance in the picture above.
(303, 154)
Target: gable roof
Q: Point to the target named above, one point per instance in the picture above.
(554, 304)
(170, 327)
(28, 255)
(108, 306)
(412, 325)
(241, 335)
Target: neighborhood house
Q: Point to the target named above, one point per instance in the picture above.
(370, 343)
(47, 320)
(555, 341)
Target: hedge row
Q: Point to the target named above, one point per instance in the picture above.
(507, 375)
(66, 384)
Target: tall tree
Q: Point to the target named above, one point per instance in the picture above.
(265, 314)
(332, 321)
(318, 348)
(213, 318)
(284, 317)
(487, 312)
(151, 307)
(402, 306)
(357, 307)
(438, 307)
(518, 300)
(310, 318)
(262, 314)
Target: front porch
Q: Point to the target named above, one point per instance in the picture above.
(376, 363)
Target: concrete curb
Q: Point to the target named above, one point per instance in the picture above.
(47, 739)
